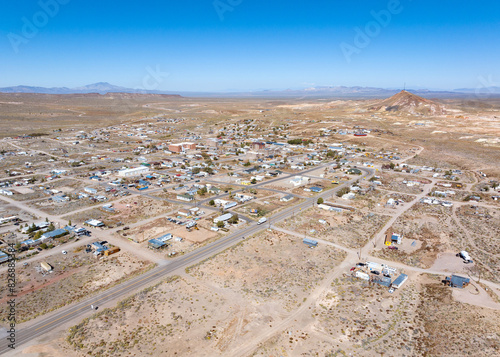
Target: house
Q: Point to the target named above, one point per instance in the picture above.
(185, 197)
(225, 204)
(316, 189)
(98, 248)
(156, 244)
(183, 212)
(456, 281)
(299, 181)
(223, 218)
(6, 192)
(55, 233)
(94, 223)
(354, 172)
(327, 207)
(287, 198)
(214, 190)
(90, 190)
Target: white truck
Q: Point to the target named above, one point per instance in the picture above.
(262, 220)
(465, 256)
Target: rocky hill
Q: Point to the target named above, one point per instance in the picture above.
(407, 102)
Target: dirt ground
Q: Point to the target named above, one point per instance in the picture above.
(354, 318)
(75, 275)
(351, 229)
(222, 302)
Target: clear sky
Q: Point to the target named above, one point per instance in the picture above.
(226, 45)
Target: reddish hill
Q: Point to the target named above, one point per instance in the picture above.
(410, 103)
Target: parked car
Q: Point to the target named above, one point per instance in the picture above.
(376, 272)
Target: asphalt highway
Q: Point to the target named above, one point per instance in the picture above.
(73, 312)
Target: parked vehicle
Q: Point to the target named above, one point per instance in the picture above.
(465, 256)
(262, 220)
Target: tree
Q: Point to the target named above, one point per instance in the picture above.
(43, 246)
(254, 181)
(234, 219)
(320, 200)
(211, 203)
(342, 191)
(69, 222)
(220, 224)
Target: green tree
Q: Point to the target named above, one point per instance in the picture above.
(220, 224)
(43, 246)
(234, 219)
(211, 203)
(254, 181)
(320, 200)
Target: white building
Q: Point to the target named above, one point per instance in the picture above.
(136, 171)
(299, 181)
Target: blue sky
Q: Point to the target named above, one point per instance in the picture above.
(250, 44)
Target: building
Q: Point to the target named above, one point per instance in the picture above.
(46, 266)
(299, 181)
(382, 280)
(456, 281)
(3, 257)
(185, 197)
(156, 244)
(225, 204)
(94, 223)
(178, 148)
(316, 189)
(223, 218)
(111, 250)
(287, 198)
(55, 233)
(98, 248)
(399, 281)
(258, 145)
(136, 171)
(310, 242)
(90, 190)
(183, 212)
(6, 192)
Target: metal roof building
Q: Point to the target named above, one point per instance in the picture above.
(458, 281)
(399, 281)
(55, 233)
(310, 242)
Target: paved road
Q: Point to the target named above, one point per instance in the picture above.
(73, 312)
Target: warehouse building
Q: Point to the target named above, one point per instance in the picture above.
(136, 171)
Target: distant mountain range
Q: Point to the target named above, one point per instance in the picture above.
(312, 92)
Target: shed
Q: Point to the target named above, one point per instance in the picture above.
(310, 242)
(46, 266)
